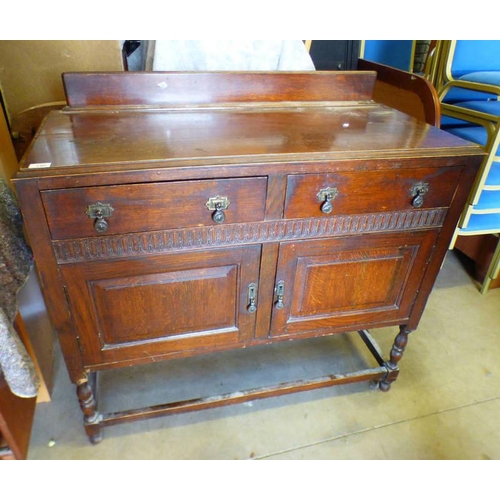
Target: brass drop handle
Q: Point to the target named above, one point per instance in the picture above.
(218, 204)
(418, 191)
(100, 211)
(252, 298)
(280, 294)
(218, 216)
(325, 197)
(100, 224)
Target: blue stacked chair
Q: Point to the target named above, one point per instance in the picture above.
(468, 85)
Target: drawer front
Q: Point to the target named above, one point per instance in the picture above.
(368, 192)
(154, 206)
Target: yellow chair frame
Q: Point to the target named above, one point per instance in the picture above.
(440, 70)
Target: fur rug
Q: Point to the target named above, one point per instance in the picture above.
(15, 263)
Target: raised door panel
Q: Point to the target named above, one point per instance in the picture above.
(342, 284)
(151, 307)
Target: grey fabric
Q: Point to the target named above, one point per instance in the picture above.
(15, 263)
(226, 55)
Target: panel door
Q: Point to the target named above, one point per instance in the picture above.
(131, 309)
(349, 283)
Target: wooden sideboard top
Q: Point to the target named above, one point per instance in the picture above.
(129, 134)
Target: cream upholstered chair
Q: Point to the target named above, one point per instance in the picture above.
(230, 55)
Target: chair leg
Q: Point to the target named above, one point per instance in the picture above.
(493, 269)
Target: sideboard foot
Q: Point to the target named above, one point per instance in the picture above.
(95, 436)
(384, 385)
(396, 354)
(91, 417)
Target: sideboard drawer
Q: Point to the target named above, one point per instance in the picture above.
(153, 206)
(368, 192)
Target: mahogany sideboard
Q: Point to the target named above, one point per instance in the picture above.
(176, 214)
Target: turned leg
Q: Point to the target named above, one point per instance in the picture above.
(397, 351)
(91, 417)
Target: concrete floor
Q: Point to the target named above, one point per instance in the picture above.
(444, 405)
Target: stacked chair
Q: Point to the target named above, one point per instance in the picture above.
(466, 74)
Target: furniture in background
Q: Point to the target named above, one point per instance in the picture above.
(432, 61)
(405, 55)
(468, 83)
(398, 54)
(468, 70)
(334, 55)
(40, 337)
(31, 326)
(18, 368)
(39, 340)
(16, 413)
(8, 160)
(281, 215)
(230, 55)
(217, 55)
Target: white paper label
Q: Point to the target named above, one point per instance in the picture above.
(39, 165)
